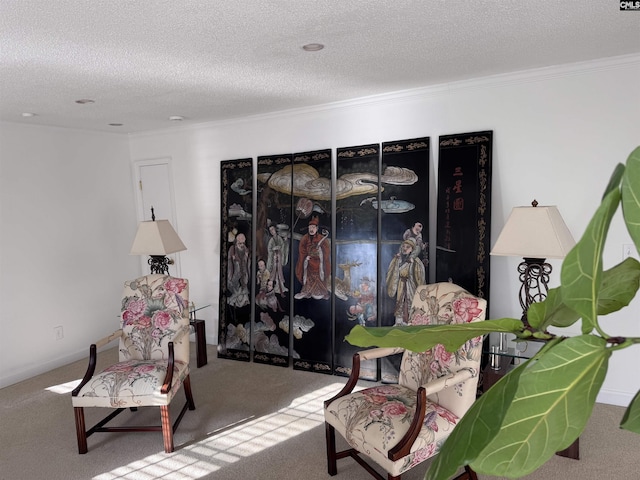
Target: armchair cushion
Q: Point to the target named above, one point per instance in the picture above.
(374, 420)
(132, 383)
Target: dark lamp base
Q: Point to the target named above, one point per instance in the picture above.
(159, 264)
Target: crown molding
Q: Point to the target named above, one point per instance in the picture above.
(422, 93)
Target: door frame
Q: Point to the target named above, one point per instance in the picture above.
(136, 167)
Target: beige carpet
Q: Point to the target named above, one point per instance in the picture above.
(251, 422)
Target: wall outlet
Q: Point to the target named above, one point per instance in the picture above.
(58, 332)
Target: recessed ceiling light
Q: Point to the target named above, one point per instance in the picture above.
(176, 118)
(28, 114)
(116, 124)
(312, 47)
(84, 101)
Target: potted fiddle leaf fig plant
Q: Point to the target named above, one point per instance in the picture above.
(542, 406)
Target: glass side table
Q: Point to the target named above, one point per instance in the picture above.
(199, 329)
(503, 360)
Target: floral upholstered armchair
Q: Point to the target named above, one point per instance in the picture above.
(153, 359)
(399, 426)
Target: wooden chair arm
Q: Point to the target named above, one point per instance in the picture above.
(90, 369)
(403, 448)
(379, 352)
(370, 354)
(93, 359)
(108, 339)
(351, 383)
(186, 330)
(168, 378)
(447, 381)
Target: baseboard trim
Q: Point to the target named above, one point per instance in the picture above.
(614, 397)
(41, 368)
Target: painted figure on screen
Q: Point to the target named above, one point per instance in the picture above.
(262, 276)
(278, 257)
(314, 263)
(238, 272)
(422, 248)
(405, 273)
(415, 232)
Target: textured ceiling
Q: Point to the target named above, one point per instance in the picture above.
(144, 60)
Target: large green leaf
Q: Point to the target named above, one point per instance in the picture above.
(581, 273)
(616, 178)
(552, 404)
(479, 425)
(631, 418)
(631, 196)
(476, 428)
(419, 338)
(551, 312)
(619, 286)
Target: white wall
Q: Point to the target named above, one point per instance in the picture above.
(558, 133)
(67, 208)
(67, 220)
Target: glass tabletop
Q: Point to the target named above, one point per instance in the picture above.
(510, 353)
(193, 309)
(511, 356)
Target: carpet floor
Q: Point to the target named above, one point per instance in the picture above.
(252, 421)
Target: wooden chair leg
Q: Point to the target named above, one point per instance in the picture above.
(81, 430)
(330, 434)
(167, 429)
(472, 474)
(187, 391)
(468, 474)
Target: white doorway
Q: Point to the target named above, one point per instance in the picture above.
(154, 188)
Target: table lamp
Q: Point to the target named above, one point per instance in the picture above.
(534, 233)
(157, 239)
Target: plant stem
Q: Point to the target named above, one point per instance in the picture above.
(618, 343)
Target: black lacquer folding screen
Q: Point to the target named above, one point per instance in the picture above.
(236, 280)
(356, 267)
(312, 261)
(464, 211)
(322, 254)
(272, 311)
(404, 247)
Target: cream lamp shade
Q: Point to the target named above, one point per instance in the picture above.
(156, 238)
(534, 232)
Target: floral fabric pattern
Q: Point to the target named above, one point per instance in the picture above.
(154, 311)
(441, 304)
(375, 419)
(130, 383)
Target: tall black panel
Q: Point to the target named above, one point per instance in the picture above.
(464, 211)
(236, 281)
(271, 323)
(311, 324)
(356, 265)
(404, 245)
